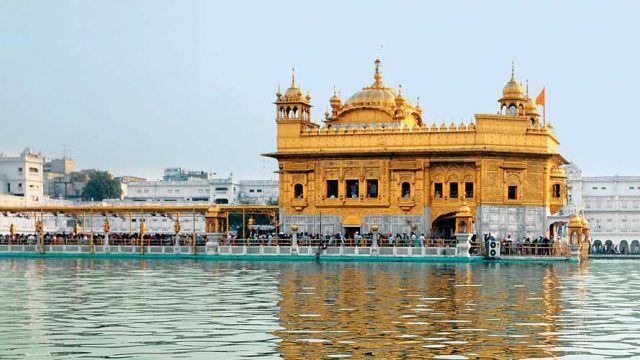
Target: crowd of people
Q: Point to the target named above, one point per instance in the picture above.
(509, 246)
(366, 239)
(524, 246)
(65, 238)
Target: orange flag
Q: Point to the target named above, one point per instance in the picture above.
(540, 98)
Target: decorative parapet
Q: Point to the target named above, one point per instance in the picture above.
(388, 129)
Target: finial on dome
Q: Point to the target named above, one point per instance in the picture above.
(418, 103)
(378, 75)
(334, 91)
(400, 89)
(278, 94)
(513, 71)
(527, 81)
(293, 77)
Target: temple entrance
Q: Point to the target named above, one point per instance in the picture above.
(350, 231)
(444, 226)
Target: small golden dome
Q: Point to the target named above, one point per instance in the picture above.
(575, 221)
(513, 89)
(293, 92)
(400, 100)
(585, 223)
(463, 209)
(530, 107)
(335, 99)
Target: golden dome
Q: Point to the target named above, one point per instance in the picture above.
(369, 96)
(530, 107)
(585, 223)
(400, 100)
(335, 99)
(463, 209)
(513, 89)
(293, 92)
(575, 221)
(377, 94)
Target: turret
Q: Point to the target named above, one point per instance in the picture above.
(293, 105)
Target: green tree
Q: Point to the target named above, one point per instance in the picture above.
(100, 186)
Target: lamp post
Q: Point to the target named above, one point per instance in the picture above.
(374, 241)
(294, 239)
(252, 221)
(39, 236)
(143, 229)
(107, 228)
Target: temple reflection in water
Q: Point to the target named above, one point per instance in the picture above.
(385, 311)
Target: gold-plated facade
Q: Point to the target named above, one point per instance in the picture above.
(375, 160)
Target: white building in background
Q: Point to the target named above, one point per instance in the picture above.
(610, 203)
(22, 176)
(205, 188)
(258, 192)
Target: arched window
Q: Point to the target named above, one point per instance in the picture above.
(556, 190)
(406, 189)
(503, 110)
(513, 110)
(574, 237)
(462, 227)
(520, 110)
(288, 112)
(295, 112)
(532, 122)
(281, 112)
(298, 191)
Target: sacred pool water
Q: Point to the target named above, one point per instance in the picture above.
(65, 309)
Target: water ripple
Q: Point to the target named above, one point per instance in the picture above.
(80, 309)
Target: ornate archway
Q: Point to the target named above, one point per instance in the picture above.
(444, 226)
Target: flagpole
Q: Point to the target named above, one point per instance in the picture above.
(544, 108)
(544, 111)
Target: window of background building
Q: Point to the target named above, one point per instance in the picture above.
(332, 189)
(453, 190)
(259, 190)
(33, 170)
(595, 188)
(603, 188)
(372, 188)
(512, 192)
(468, 189)
(19, 169)
(437, 190)
(353, 188)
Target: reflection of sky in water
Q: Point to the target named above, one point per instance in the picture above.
(182, 309)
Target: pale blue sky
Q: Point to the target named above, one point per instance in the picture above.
(137, 86)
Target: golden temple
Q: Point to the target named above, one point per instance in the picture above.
(375, 160)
